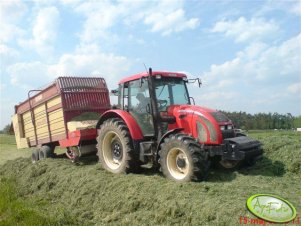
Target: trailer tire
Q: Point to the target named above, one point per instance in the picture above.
(115, 147)
(35, 156)
(183, 159)
(46, 152)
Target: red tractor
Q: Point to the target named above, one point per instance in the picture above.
(155, 122)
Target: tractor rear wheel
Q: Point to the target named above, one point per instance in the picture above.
(115, 147)
(183, 159)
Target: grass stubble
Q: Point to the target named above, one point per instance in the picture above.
(56, 192)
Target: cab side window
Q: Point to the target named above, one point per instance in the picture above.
(139, 105)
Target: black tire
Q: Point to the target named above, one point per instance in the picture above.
(46, 152)
(115, 147)
(183, 159)
(35, 156)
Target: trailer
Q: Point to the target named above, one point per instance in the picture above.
(62, 114)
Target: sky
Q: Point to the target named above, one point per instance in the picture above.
(247, 53)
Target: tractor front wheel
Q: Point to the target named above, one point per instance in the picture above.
(115, 148)
(183, 159)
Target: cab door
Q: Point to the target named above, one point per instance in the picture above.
(141, 112)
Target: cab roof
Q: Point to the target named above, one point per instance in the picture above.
(154, 73)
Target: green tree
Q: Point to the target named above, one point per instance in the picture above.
(297, 122)
(6, 129)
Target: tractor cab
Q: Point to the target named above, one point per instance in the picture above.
(147, 97)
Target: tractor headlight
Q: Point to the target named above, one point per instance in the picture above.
(222, 127)
(230, 127)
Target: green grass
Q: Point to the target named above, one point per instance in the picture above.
(15, 210)
(59, 192)
(8, 150)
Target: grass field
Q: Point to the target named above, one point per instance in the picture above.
(56, 192)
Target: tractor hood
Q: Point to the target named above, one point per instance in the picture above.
(208, 113)
(213, 125)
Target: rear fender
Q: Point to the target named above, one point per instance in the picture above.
(134, 128)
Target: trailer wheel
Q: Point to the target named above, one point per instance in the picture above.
(45, 152)
(115, 149)
(35, 156)
(183, 159)
(73, 154)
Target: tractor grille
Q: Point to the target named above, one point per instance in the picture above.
(228, 133)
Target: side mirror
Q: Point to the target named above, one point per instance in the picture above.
(115, 92)
(195, 80)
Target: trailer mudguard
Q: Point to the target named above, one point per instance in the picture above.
(134, 128)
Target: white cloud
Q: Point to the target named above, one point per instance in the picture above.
(10, 14)
(165, 17)
(243, 30)
(85, 61)
(28, 75)
(258, 79)
(225, 83)
(7, 56)
(9, 32)
(283, 61)
(296, 8)
(172, 22)
(295, 88)
(261, 62)
(44, 31)
(12, 10)
(100, 16)
(254, 49)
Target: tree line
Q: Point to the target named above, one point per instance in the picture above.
(259, 121)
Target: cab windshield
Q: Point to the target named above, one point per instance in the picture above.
(171, 91)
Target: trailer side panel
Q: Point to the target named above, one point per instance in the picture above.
(43, 118)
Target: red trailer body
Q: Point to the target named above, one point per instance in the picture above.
(42, 119)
